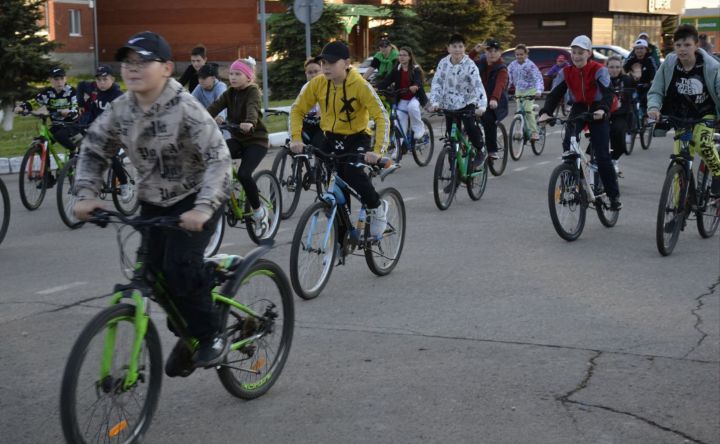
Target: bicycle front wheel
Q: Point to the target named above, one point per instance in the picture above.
(446, 181)
(565, 202)
(33, 177)
(671, 210)
(288, 172)
(216, 239)
(95, 404)
(66, 195)
(607, 216)
(383, 255)
(4, 210)
(477, 182)
(126, 203)
(271, 198)
(516, 138)
(646, 136)
(497, 166)
(312, 255)
(708, 215)
(538, 146)
(260, 342)
(423, 151)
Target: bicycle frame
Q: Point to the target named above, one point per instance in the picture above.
(237, 202)
(461, 144)
(582, 163)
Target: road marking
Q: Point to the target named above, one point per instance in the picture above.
(544, 162)
(228, 244)
(520, 168)
(61, 288)
(407, 199)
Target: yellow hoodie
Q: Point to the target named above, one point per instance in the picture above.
(344, 109)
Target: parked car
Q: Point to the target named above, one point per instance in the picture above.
(363, 67)
(609, 50)
(544, 57)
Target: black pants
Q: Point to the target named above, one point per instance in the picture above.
(489, 123)
(63, 135)
(600, 139)
(179, 255)
(353, 175)
(251, 155)
(473, 132)
(619, 128)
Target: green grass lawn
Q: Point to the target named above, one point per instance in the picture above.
(15, 142)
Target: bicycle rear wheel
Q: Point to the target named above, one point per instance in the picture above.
(216, 239)
(383, 255)
(4, 210)
(445, 182)
(129, 204)
(538, 145)
(646, 136)
(423, 152)
(671, 210)
(708, 214)
(97, 408)
(289, 174)
(66, 195)
(497, 166)
(252, 367)
(565, 202)
(516, 138)
(312, 255)
(33, 182)
(271, 198)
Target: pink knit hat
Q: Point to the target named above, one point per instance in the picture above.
(244, 67)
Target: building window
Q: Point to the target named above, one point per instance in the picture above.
(75, 23)
(553, 23)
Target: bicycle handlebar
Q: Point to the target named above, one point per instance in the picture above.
(679, 122)
(102, 218)
(382, 163)
(582, 117)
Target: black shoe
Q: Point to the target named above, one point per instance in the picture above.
(211, 352)
(670, 226)
(615, 204)
(478, 162)
(180, 362)
(715, 187)
(48, 181)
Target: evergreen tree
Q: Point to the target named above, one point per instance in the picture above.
(24, 52)
(477, 20)
(403, 28)
(287, 33)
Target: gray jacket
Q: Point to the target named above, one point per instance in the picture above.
(664, 75)
(175, 146)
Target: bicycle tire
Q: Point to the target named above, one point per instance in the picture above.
(217, 237)
(290, 180)
(607, 217)
(271, 198)
(66, 196)
(151, 379)
(708, 213)
(476, 184)
(567, 195)
(396, 145)
(441, 188)
(538, 146)
(516, 138)
(646, 136)
(423, 153)
(33, 187)
(382, 257)
(127, 208)
(327, 261)
(629, 147)
(497, 166)
(239, 325)
(4, 211)
(667, 232)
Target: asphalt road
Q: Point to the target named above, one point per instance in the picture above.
(491, 329)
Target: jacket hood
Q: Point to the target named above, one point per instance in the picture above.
(708, 59)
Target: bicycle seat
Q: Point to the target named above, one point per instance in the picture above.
(224, 264)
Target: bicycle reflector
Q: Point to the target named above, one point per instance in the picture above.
(115, 431)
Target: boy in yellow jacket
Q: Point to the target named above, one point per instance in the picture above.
(347, 101)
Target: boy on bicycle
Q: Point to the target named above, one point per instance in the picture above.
(589, 85)
(347, 101)
(456, 86)
(687, 86)
(641, 67)
(528, 81)
(184, 170)
(494, 74)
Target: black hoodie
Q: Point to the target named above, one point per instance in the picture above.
(95, 101)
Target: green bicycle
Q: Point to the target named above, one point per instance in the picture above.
(112, 379)
(454, 164)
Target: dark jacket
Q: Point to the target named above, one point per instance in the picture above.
(622, 86)
(243, 105)
(94, 101)
(416, 78)
(648, 68)
(491, 86)
(190, 76)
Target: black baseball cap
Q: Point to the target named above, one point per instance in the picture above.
(334, 51)
(208, 70)
(103, 70)
(149, 45)
(384, 42)
(492, 43)
(57, 72)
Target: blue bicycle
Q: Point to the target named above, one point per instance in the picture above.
(422, 150)
(326, 229)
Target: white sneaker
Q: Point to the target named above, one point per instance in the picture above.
(628, 139)
(126, 194)
(616, 165)
(261, 220)
(378, 219)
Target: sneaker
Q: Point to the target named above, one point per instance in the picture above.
(180, 362)
(615, 204)
(49, 181)
(715, 187)
(126, 194)
(422, 140)
(535, 136)
(211, 352)
(478, 162)
(628, 138)
(616, 165)
(261, 220)
(494, 155)
(378, 221)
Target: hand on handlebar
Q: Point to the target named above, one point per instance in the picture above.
(84, 208)
(297, 147)
(599, 114)
(479, 111)
(371, 157)
(219, 120)
(193, 220)
(654, 114)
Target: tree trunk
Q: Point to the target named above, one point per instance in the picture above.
(7, 116)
